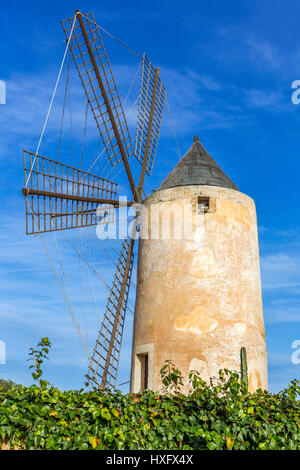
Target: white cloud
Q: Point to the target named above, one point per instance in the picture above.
(280, 271)
(264, 98)
(192, 99)
(264, 51)
(281, 287)
(282, 312)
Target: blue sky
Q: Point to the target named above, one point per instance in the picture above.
(228, 69)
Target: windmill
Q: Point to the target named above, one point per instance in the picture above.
(61, 197)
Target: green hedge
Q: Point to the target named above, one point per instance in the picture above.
(222, 416)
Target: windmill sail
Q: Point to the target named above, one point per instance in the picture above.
(105, 359)
(151, 105)
(59, 196)
(100, 87)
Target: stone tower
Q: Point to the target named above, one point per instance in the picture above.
(198, 288)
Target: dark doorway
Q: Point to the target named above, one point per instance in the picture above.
(143, 358)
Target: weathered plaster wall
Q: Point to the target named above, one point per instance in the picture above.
(199, 298)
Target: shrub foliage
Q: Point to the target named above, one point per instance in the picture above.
(220, 416)
(6, 384)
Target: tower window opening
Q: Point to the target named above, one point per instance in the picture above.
(202, 205)
(144, 370)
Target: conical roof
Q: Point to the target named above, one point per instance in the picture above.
(197, 167)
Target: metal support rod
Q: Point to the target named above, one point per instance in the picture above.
(107, 104)
(95, 200)
(147, 145)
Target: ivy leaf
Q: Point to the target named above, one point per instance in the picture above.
(105, 414)
(229, 443)
(93, 441)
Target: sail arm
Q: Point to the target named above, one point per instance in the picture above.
(101, 90)
(104, 362)
(150, 112)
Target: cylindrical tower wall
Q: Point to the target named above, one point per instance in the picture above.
(198, 288)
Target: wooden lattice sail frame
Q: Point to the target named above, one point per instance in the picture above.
(104, 362)
(61, 197)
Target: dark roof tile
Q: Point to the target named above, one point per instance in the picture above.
(197, 167)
